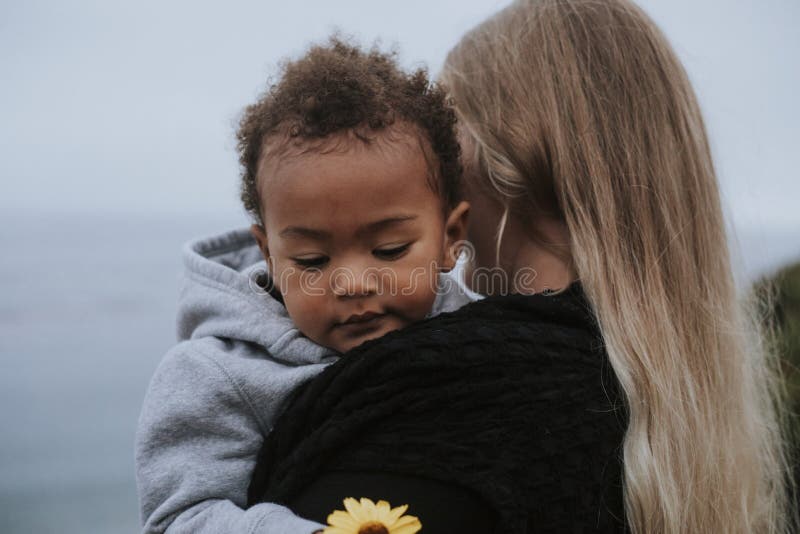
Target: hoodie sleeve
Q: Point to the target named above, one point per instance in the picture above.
(196, 447)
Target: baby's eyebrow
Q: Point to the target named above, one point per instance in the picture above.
(369, 228)
(384, 223)
(299, 231)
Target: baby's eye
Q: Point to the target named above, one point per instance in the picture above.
(392, 252)
(311, 261)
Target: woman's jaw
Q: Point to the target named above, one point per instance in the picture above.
(528, 264)
(531, 256)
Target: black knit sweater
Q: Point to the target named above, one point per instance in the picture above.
(509, 402)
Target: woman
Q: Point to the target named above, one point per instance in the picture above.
(586, 159)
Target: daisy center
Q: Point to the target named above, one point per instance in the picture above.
(373, 527)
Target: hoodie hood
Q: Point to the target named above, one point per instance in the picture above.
(220, 297)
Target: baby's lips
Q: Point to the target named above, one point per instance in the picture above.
(365, 317)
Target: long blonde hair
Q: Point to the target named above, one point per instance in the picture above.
(580, 109)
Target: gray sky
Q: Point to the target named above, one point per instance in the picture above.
(130, 106)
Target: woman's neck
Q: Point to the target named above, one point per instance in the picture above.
(530, 265)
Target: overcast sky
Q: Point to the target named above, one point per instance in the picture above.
(129, 107)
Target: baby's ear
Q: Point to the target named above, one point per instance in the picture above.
(261, 238)
(455, 232)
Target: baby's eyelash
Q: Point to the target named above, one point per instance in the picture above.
(391, 253)
(317, 261)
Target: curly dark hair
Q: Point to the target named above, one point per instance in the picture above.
(339, 87)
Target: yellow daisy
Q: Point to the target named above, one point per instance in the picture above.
(366, 517)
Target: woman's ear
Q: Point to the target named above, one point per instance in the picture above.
(260, 235)
(455, 232)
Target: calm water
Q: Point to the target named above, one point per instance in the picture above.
(86, 312)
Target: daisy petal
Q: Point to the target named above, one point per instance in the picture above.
(356, 510)
(405, 520)
(368, 507)
(408, 529)
(343, 520)
(337, 530)
(397, 512)
(383, 511)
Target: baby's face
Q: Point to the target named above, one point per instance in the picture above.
(355, 238)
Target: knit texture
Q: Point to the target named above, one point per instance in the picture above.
(512, 398)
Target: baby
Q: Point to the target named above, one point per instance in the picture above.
(351, 173)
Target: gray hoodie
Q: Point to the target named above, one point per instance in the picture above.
(216, 394)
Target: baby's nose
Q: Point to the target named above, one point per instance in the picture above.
(349, 282)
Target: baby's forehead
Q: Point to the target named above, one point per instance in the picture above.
(401, 142)
(400, 137)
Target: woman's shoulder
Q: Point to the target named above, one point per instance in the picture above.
(566, 306)
(505, 326)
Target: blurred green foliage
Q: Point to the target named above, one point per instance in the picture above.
(780, 299)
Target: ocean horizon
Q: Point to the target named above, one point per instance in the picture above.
(87, 312)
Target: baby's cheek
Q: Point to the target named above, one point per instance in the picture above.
(416, 280)
(308, 312)
(418, 304)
